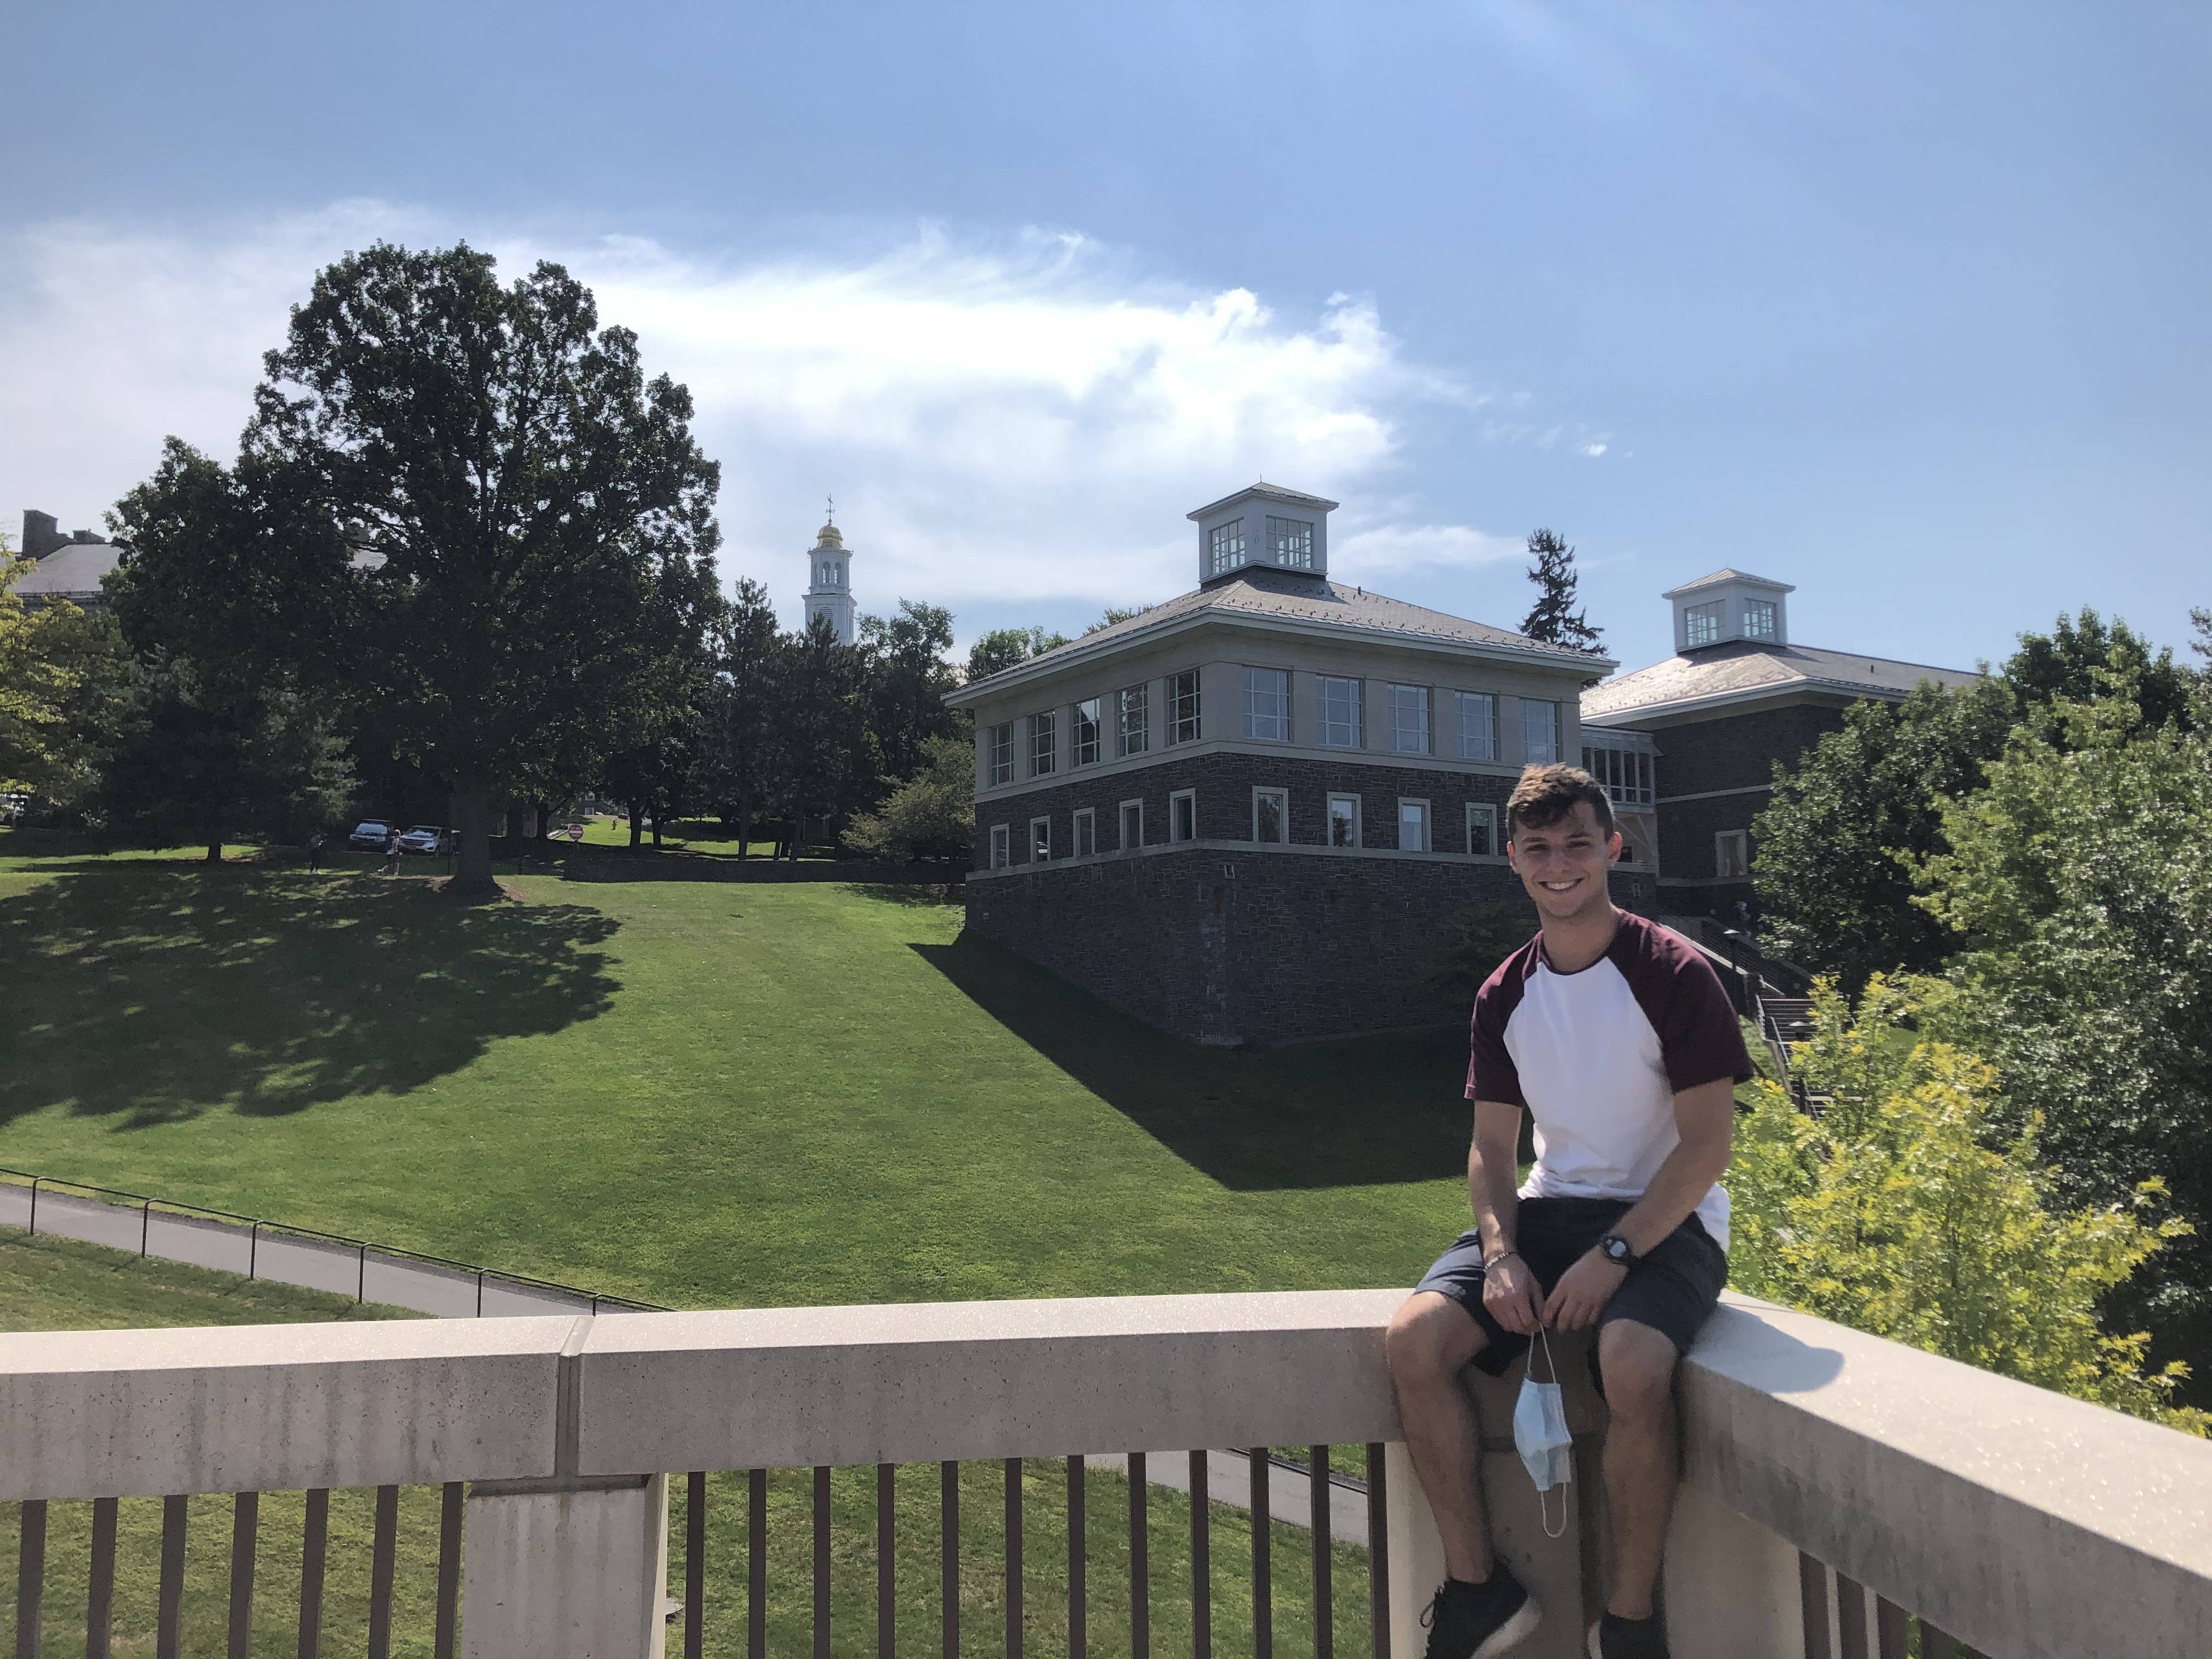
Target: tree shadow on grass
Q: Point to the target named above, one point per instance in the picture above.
(1359, 1111)
(151, 996)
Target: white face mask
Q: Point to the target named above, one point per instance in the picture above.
(1540, 1433)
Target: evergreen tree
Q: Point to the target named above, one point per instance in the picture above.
(740, 707)
(1555, 618)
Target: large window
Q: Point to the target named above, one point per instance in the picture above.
(1134, 737)
(1267, 704)
(1182, 707)
(1224, 548)
(1540, 732)
(1478, 725)
(1040, 841)
(1182, 815)
(1759, 619)
(1731, 853)
(1482, 829)
(1044, 734)
(1132, 824)
(1271, 816)
(1083, 735)
(1001, 846)
(1290, 543)
(1701, 625)
(1339, 713)
(1343, 820)
(1414, 826)
(1086, 833)
(1627, 777)
(1002, 753)
(1409, 719)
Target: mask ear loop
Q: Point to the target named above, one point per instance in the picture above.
(1543, 1498)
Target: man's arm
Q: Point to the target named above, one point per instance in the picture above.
(1705, 1119)
(1510, 1291)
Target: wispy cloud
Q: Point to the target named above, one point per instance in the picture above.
(1019, 420)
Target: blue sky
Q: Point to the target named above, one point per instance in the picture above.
(1906, 305)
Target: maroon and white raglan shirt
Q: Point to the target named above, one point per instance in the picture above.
(1597, 1058)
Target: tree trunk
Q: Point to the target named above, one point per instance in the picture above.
(515, 827)
(636, 824)
(745, 823)
(472, 822)
(544, 824)
(215, 847)
(656, 826)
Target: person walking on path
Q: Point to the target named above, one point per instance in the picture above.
(315, 852)
(390, 851)
(1615, 1035)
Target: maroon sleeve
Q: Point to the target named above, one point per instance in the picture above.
(1490, 1072)
(1699, 1040)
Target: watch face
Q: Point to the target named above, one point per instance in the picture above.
(1616, 1249)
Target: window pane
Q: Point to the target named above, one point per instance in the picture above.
(1482, 830)
(1000, 856)
(1085, 732)
(1409, 719)
(1044, 729)
(1183, 711)
(1478, 726)
(1701, 625)
(1267, 704)
(1002, 753)
(1134, 738)
(1343, 821)
(1290, 543)
(1225, 546)
(1759, 619)
(1182, 811)
(1339, 713)
(1087, 838)
(1133, 825)
(1412, 826)
(1540, 732)
(1268, 809)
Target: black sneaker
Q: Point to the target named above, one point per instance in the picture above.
(1479, 1621)
(1615, 1637)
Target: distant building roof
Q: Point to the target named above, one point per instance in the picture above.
(1278, 596)
(1743, 669)
(1268, 492)
(70, 571)
(1724, 575)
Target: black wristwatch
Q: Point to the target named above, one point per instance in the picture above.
(1618, 1250)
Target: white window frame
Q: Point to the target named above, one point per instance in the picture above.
(1254, 692)
(1121, 824)
(1426, 702)
(1086, 819)
(1529, 706)
(1329, 820)
(1291, 542)
(1484, 812)
(1281, 797)
(1355, 727)
(1701, 625)
(1133, 699)
(1224, 548)
(1176, 722)
(1761, 619)
(1002, 753)
(1002, 847)
(1044, 743)
(1477, 745)
(1428, 823)
(1740, 840)
(1181, 795)
(1041, 846)
(1077, 748)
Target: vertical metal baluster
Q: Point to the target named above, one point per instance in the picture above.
(821, 1561)
(695, 1565)
(1812, 1593)
(1263, 1559)
(314, 1541)
(245, 1529)
(1891, 1640)
(99, 1593)
(451, 1500)
(1140, 1561)
(756, 1564)
(1378, 1553)
(383, 1554)
(1319, 1515)
(948, 1476)
(1013, 1469)
(1201, 1561)
(887, 1569)
(1079, 1631)
(1850, 1617)
(169, 1614)
(30, 1571)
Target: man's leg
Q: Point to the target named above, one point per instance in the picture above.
(1429, 1342)
(1642, 1456)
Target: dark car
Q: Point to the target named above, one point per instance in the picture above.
(369, 834)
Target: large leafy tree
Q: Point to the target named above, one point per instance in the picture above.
(930, 816)
(1555, 617)
(740, 708)
(543, 516)
(908, 678)
(62, 676)
(823, 761)
(1006, 648)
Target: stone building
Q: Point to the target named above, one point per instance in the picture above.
(829, 583)
(1713, 719)
(1245, 815)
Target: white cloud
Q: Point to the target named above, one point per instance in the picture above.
(1020, 421)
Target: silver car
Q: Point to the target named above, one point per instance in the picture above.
(427, 838)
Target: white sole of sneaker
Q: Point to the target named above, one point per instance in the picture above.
(1514, 1632)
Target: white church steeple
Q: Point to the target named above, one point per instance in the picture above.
(829, 585)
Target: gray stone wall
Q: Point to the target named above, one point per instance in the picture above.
(1731, 751)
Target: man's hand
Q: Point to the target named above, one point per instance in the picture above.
(1510, 1294)
(1582, 1292)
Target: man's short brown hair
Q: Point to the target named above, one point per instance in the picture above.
(1547, 793)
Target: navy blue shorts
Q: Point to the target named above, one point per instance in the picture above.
(1672, 1288)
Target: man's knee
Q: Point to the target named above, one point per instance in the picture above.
(1637, 1363)
(1429, 1338)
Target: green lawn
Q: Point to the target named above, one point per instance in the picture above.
(699, 1093)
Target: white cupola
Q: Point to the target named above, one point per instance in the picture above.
(1265, 526)
(1728, 607)
(829, 583)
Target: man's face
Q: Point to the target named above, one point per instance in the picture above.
(1564, 864)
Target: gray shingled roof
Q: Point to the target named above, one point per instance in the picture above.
(1725, 574)
(72, 568)
(1744, 669)
(1289, 597)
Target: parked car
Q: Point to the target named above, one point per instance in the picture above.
(368, 836)
(427, 838)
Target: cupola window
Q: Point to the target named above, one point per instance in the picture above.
(1290, 543)
(1759, 619)
(1701, 625)
(1225, 547)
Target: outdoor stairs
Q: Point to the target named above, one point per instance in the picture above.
(1783, 1021)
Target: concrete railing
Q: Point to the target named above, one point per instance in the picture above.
(1837, 1486)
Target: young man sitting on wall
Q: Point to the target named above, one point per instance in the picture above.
(1616, 1036)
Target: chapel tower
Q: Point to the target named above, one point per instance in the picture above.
(829, 586)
